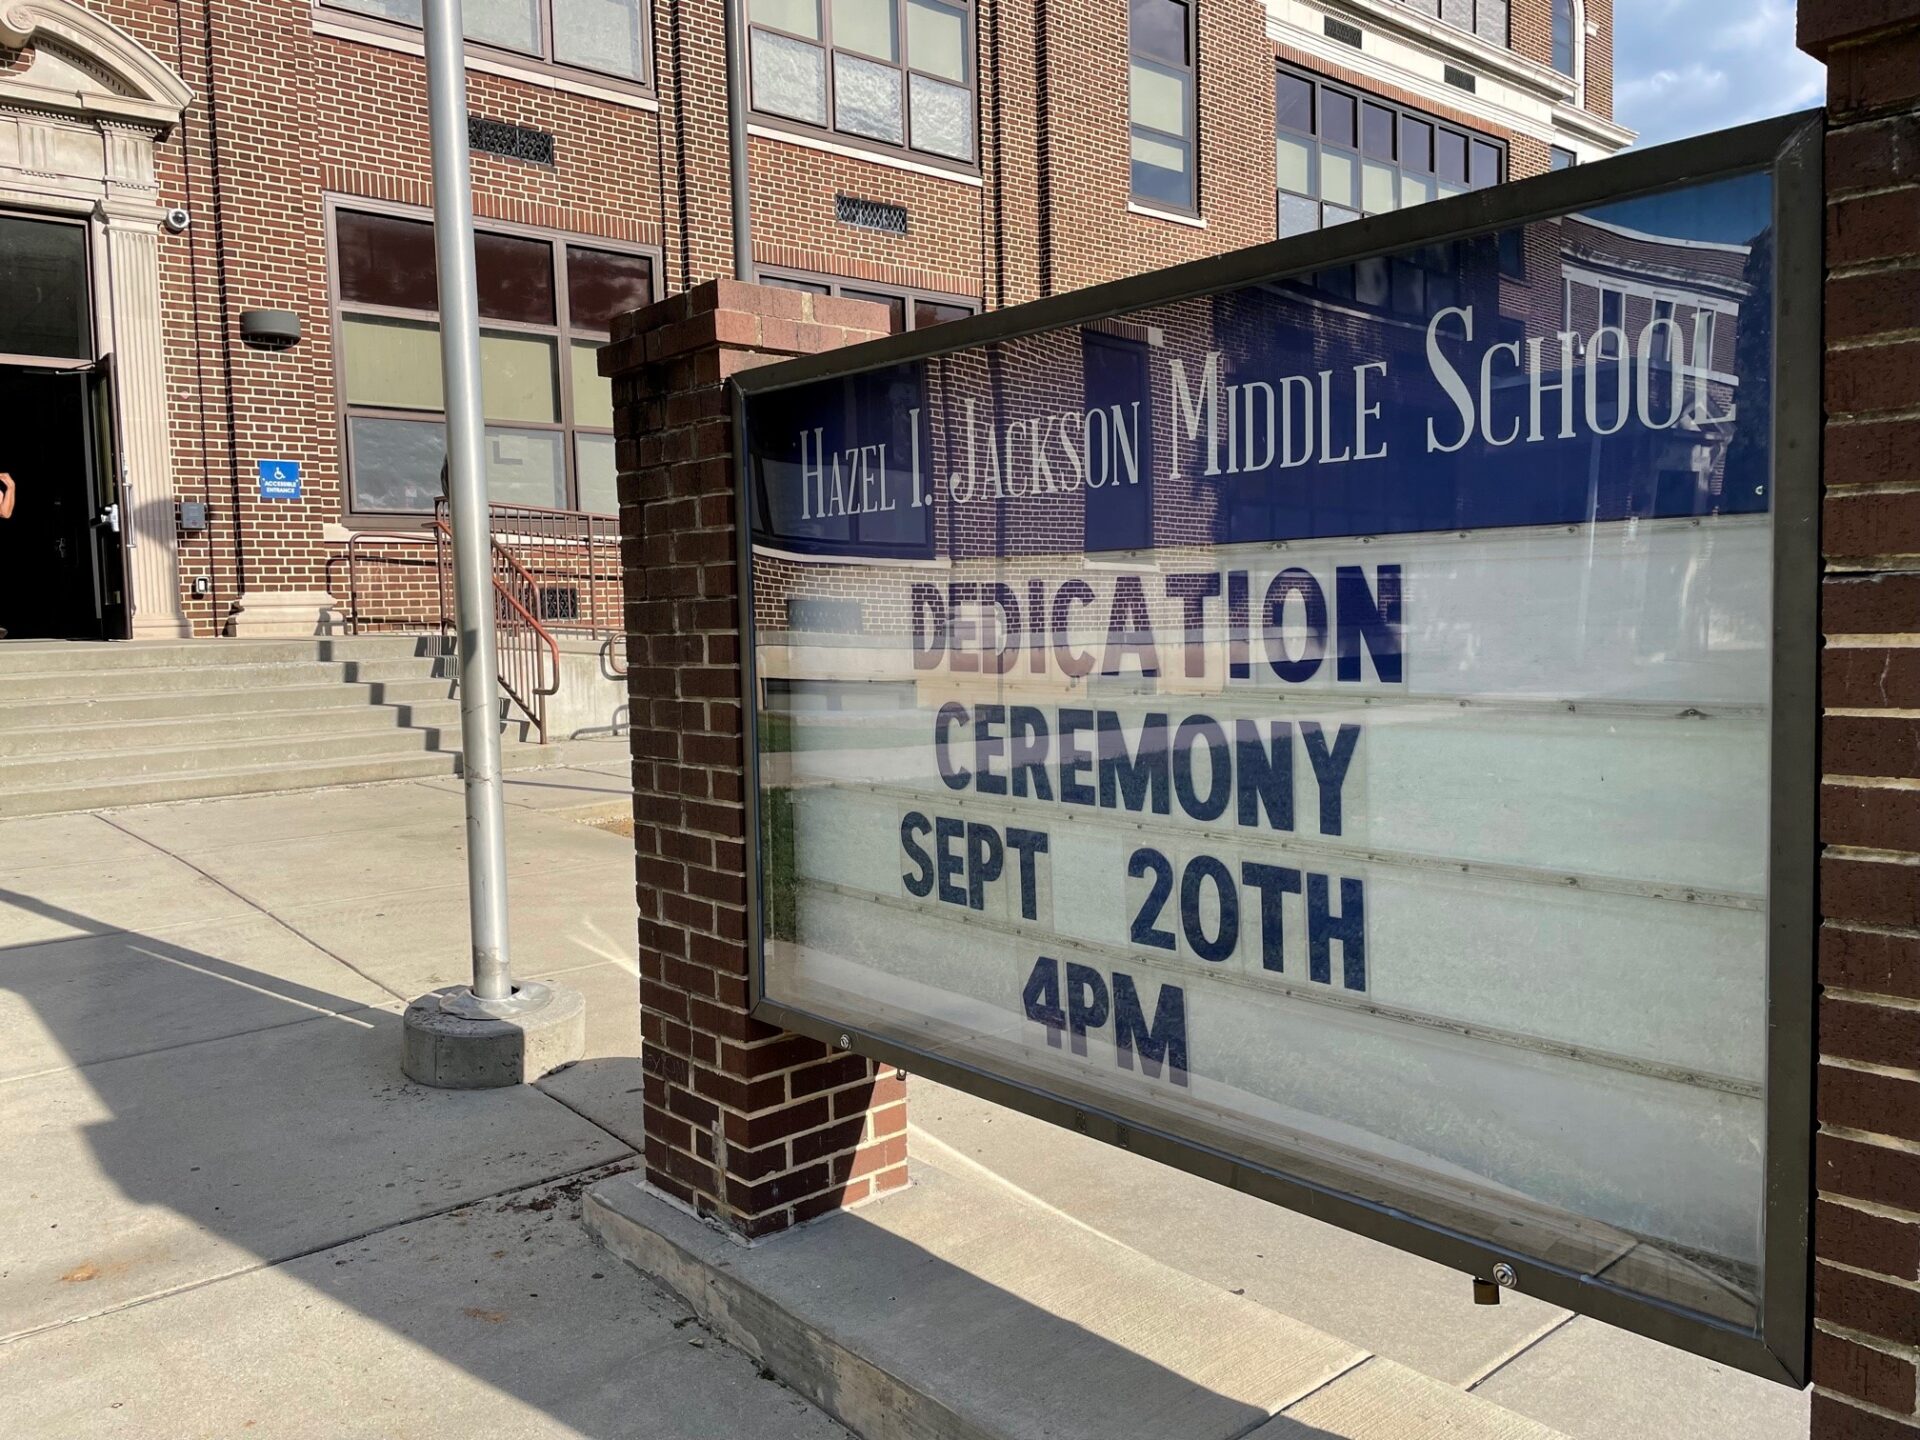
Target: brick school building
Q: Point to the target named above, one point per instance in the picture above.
(216, 246)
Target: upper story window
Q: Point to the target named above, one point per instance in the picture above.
(1164, 113)
(1561, 159)
(1566, 32)
(546, 303)
(906, 309)
(1341, 154)
(892, 73)
(1487, 19)
(608, 37)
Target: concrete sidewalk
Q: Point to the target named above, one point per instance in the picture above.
(224, 1212)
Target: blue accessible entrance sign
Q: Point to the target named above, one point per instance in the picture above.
(279, 479)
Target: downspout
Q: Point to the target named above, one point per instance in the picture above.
(737, 142)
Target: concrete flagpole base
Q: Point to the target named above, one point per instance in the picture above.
(456, 1041)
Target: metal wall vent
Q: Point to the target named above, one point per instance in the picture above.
(1343, 32)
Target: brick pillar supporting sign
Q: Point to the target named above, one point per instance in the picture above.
(755, 1127)
(1866, 1235)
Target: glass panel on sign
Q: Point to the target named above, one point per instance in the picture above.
(789, 77)
(1281, 756)
(942, 117)
(600, 35)
(866, 99)
(937, 40)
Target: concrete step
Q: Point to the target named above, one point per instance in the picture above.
(93, 793)
(44, 656)
(206, 679)
(82, 767)
(28, 714)
(204, 727)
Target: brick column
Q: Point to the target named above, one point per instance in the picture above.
(748, 1124)
(1866, 1234)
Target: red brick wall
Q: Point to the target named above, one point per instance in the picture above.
(1867, 1159)
(757, 1129)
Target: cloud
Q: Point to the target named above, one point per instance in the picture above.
(1682, 67)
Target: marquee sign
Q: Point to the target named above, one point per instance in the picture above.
(1338, 718)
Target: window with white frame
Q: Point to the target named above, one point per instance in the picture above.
(546, 302)
(895, 74)
(1566, 37)
(608, 37)
(1163, 108)
(1341, 153)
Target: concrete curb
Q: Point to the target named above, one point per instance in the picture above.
(954, 1311)
(700, 1266)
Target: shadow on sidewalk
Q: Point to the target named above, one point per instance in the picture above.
(291, 1132)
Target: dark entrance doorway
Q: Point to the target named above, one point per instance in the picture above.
(60, 553)
(60, 561)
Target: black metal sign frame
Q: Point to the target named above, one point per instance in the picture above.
(1790, 149)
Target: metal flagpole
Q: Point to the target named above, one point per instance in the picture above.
(467, 500)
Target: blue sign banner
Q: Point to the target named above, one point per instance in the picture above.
(279, 479)
(1327, 720)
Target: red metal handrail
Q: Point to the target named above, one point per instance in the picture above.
(525, 675)
(537, 590)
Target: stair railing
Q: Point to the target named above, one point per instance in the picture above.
(554, 572)
(526, 655)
